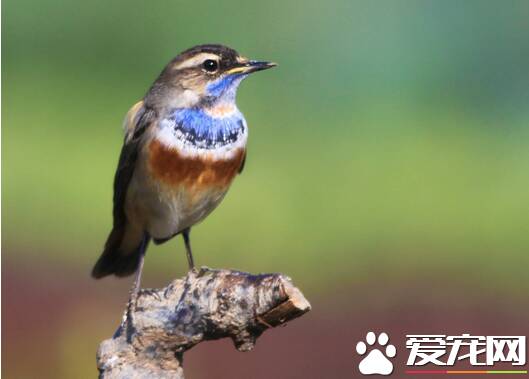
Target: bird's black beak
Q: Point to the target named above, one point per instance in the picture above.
(248, 67)
(253, 66)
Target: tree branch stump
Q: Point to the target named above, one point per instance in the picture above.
(204, 305)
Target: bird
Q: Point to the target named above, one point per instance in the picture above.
(184, 143)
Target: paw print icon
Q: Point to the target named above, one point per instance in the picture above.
(377, 360)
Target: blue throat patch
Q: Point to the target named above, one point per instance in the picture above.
(225, 88)
(204, 131)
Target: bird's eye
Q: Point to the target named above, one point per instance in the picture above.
(210, 65)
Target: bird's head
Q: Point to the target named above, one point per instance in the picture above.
(204, 75)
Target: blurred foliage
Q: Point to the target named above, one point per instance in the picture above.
(393, 137)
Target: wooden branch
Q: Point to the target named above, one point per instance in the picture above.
(204, 305)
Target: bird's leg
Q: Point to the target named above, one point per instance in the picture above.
(185, 234)
(133, 296)
(135, 290)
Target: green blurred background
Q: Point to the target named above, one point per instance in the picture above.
(387, 173)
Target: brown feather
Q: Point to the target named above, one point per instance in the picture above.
(173, 169)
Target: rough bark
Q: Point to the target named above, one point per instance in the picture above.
(204, 305)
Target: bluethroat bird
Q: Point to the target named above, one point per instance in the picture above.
(184, 144)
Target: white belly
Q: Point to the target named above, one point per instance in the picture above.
(173, 212)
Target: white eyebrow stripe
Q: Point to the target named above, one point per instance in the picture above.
(196, 60)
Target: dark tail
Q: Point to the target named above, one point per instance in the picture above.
(116, 261)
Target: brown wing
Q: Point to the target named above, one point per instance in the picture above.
(138, 119)
(114, 260)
